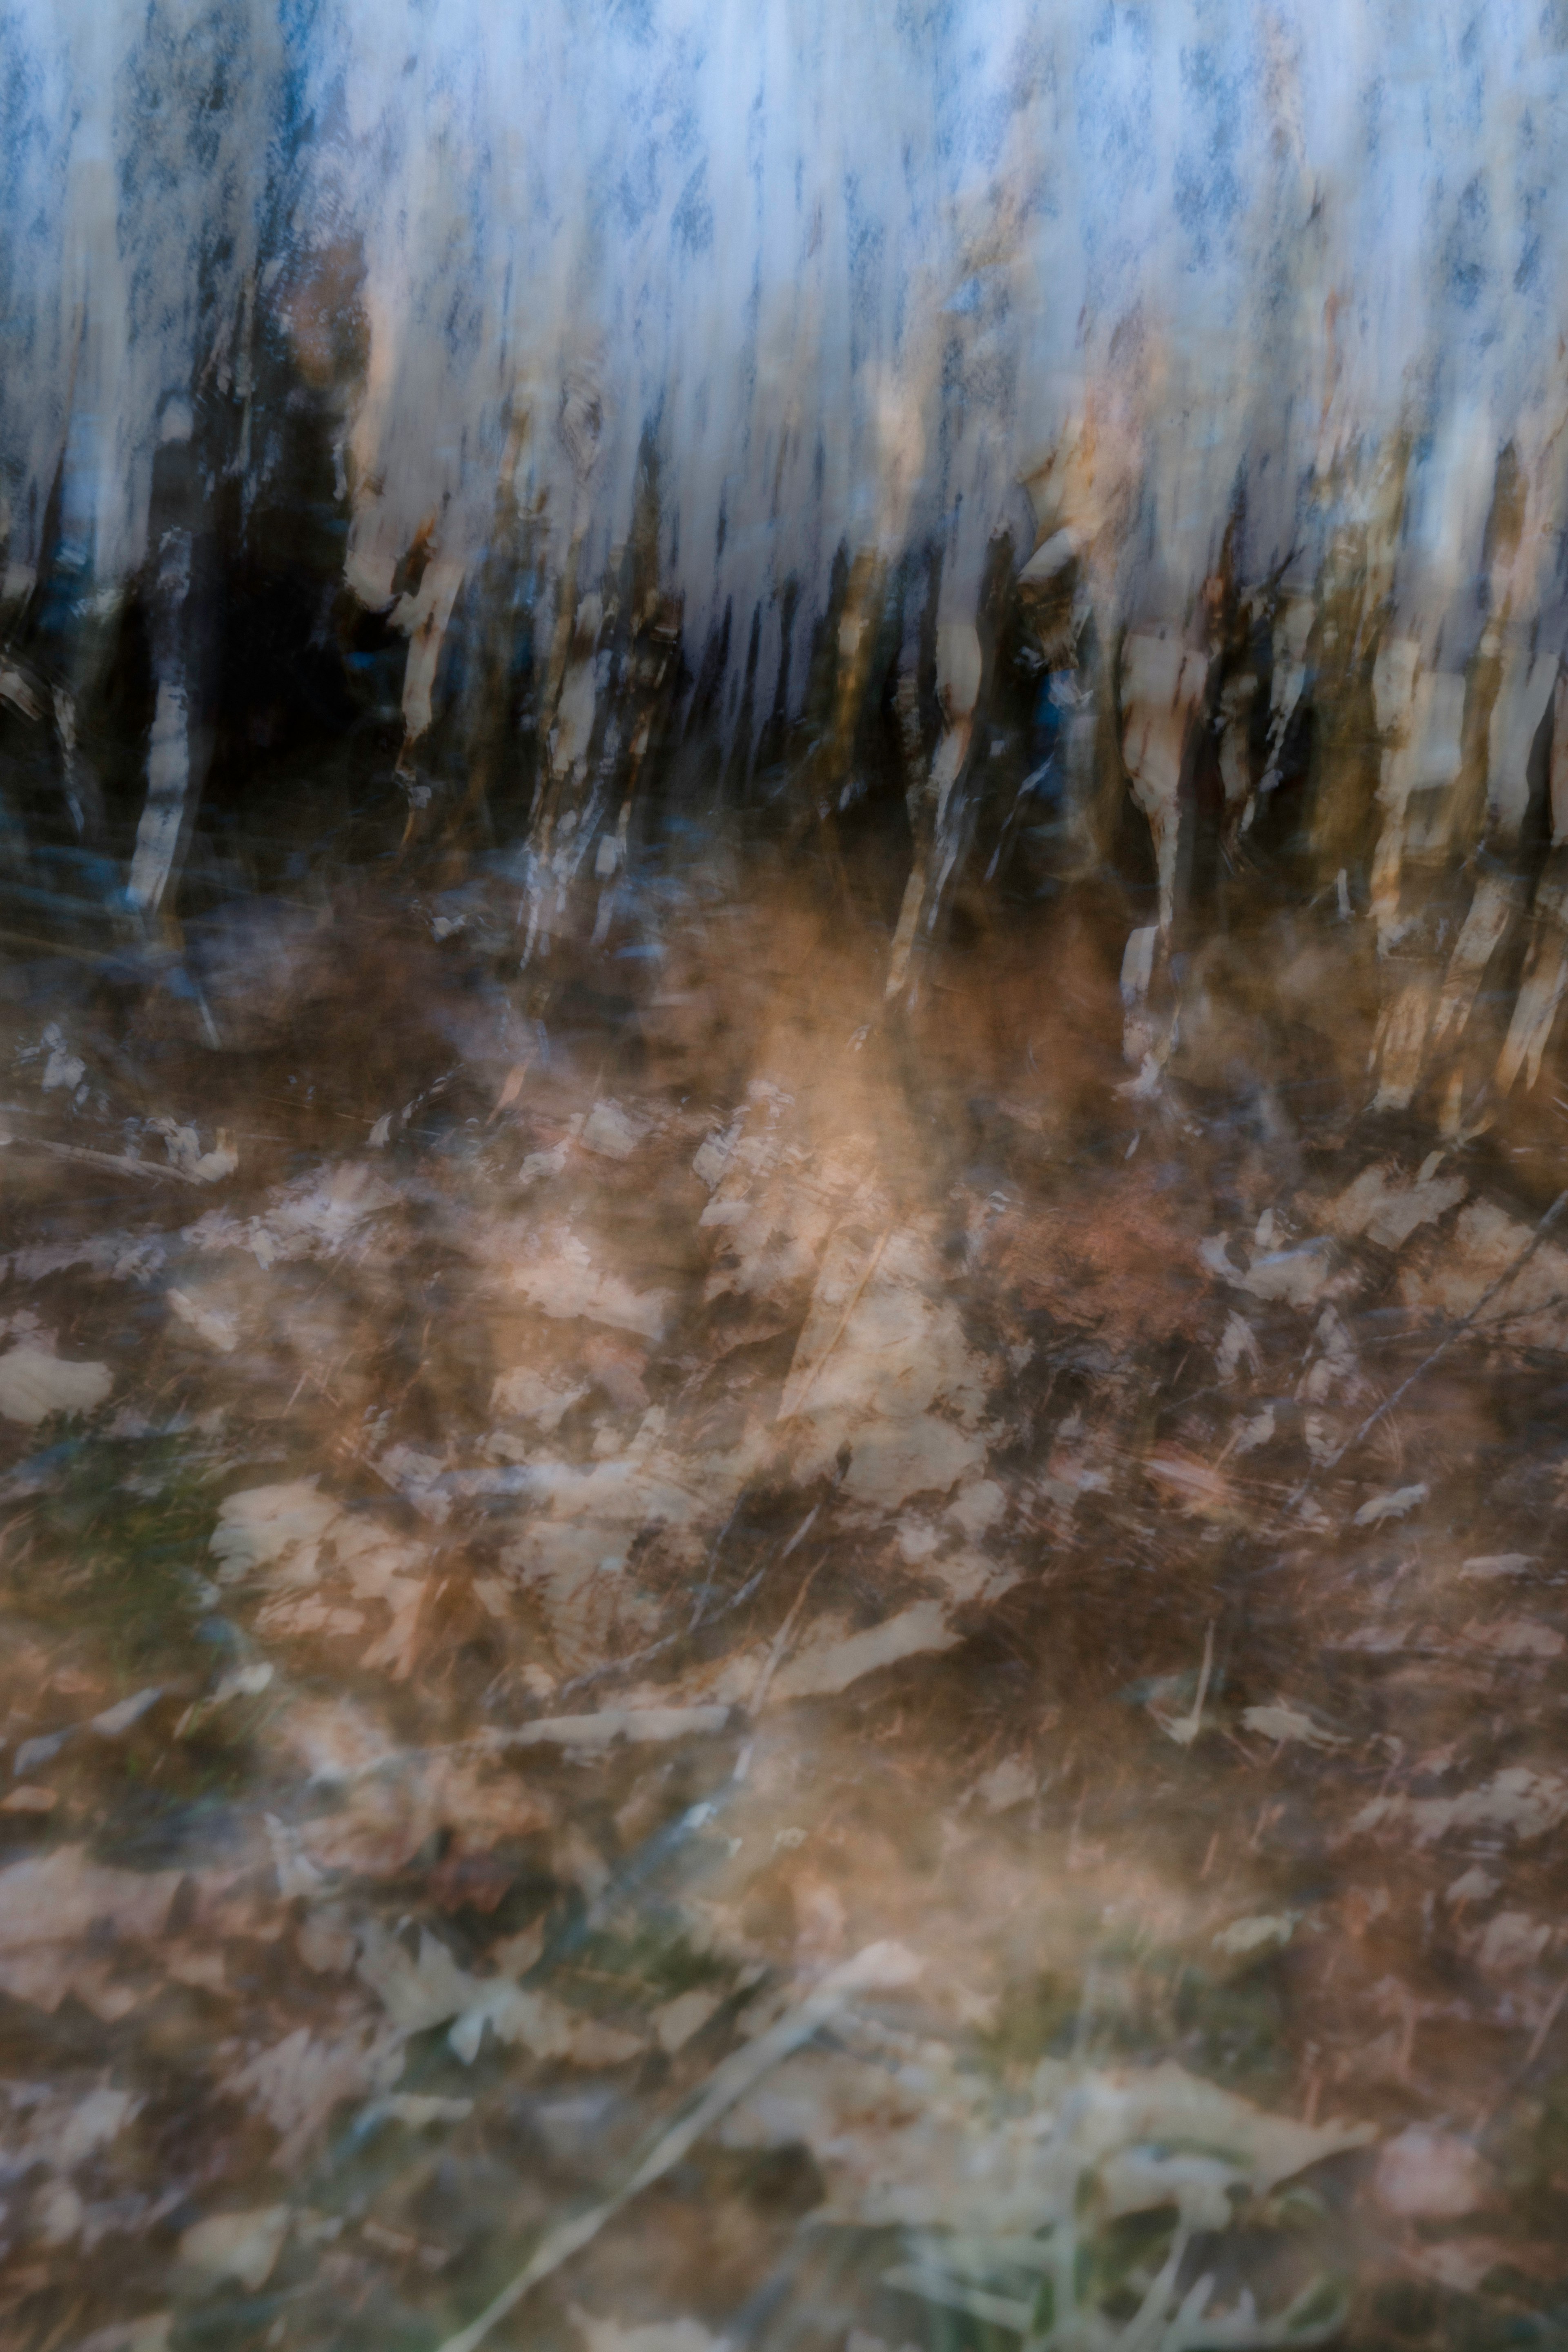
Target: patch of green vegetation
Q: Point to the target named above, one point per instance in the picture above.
(659, 1961)
(1532, 2160)
(1032, 2017)
(115, 1539)
(1235, 2029)
(1114, 2266)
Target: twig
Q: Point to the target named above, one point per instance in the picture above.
(1538, 2039)
(699, 1607)
(153, 1171)
(683, 1632)
(878, 1966)
(1447, 1341)
(843, 1324)
(774, 1660)
(665, 1640)
(623, 1665)
(493, 1741)
(1183, 1728)
(801, 1533)
(1455, 1331)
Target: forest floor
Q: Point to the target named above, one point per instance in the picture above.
(761, 1657)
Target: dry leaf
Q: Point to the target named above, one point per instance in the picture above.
(243, 2246)
(34, 1384)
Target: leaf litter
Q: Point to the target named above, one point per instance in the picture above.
(724, 1698)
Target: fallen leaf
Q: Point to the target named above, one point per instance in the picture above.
(565, 1282)
(1295, 1277)
(211, 1324)
(829, 1660)
(1429, 2176)
(1517, 1637)
(1288, 1724)
(243, 2246)
(1254, 1935)
(1198, 1484)
(30, 1799)
(433, 1991)
(545, 2027)
(60, 1896)
(296, 2084)
(129, 1712)
(532, 1397)
(941, 2154)
(1387, 1208)
(611, 1131)
(1007, 1784)
(265, 1524)
(1510, 1942)
(1485, 1244)
(1529, 1803)
(640, 1726)
(34, 1384)
(61, 2132)
(678, 2020)
(1396, 1505)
